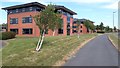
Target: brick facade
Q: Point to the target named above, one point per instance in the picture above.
(20, 26)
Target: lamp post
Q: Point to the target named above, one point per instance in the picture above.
(113, 18)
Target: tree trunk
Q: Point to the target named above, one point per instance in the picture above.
(43, 35)
(78, 35)
(38, 43)
(54, 33)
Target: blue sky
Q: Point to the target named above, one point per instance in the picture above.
(95, 10)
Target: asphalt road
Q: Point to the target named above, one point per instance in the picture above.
(98, 52)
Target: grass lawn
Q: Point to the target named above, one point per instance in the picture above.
(21, 51)
(115, 40)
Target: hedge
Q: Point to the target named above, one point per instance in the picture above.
(7, 35)
(100, 31)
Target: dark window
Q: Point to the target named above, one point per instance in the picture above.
(65, 13)
(68, 25)
(59, 11)
(13, 20)
(16, 10)
(74, 26)
(71, 16)
(82, 22)
(81, 31)
(81, 26)
(27, 20)
(31, 8)
(14, 30)
(74, 22)
(60, 31)
(68, 19)
(19, 10)
(23, 9)
(37, 9)
(74, 31)
(27, 31)
(10, 12)
(27, 9)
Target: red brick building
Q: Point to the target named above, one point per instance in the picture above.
(19, 19)
(82, 28)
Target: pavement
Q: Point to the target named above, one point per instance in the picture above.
(2, 43)
(97, 52)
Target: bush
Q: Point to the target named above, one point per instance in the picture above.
(7, 35)
(100, 31)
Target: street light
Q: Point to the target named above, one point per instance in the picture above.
(113, 18)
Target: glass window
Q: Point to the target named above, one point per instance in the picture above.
(81, 26)
(74, 22)
(74, 26)
(27, 20)
(68, 19)
(10, 11)
(23, 9)
(37, 9)
(27, 31)
(14, 21)
(81, 31)
(74, 31)
(16, 10)
(59, 11)
(31, 8)
(14, 30)
(60, 31)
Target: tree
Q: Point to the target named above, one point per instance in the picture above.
(111, 30)
(115, 29)
(45, 20)
(97, 27)
(107, 29)
(89, 25)
(101, 26)
(58, 22)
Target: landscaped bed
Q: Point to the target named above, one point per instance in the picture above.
(21, 51)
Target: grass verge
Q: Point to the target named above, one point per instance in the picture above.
(21, 51)
(115, 40)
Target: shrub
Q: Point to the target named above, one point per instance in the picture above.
(7, 35)
(100, 31)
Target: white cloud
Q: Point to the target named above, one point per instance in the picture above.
(91, 1)
(112, 6)
(80, 1)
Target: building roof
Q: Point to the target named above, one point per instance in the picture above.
(82, 20)
(25, 5)
(40, 5)
(65, 9)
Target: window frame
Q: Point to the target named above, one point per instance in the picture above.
(11, 20)
(15, 30)
(60, 31)
(24, 19)
(29, 33)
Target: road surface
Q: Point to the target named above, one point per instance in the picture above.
(98, 52)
